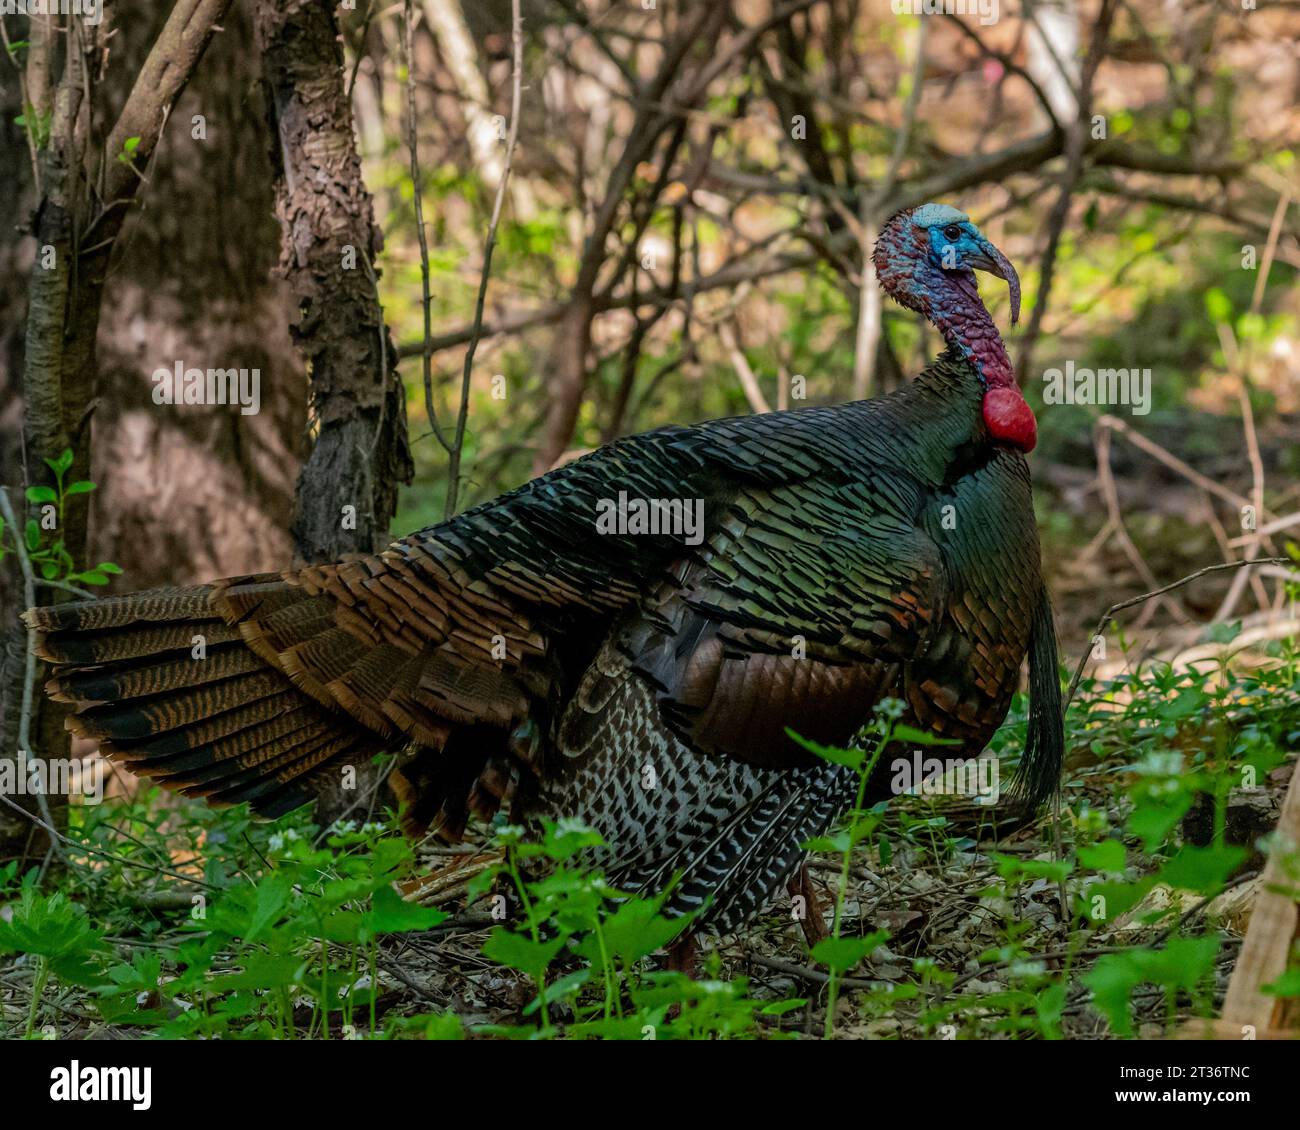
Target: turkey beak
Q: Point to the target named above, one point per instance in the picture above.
(990, 259)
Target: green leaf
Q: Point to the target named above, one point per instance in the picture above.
(61, 463)
(81, 486)
(838, 843)
(33, 534)
(1223, 633)
(247, 912)
(780, 1008)
(108, 567)
(1013, 867)
(1204, 870)
(1288, 985)
(1180, 965)
(431, 1026)
(55, 928)
(1111, 899)
(634, 930)
(886, 848)
(911, 736)
(41, 494)
(843, 954)
(262, 971)
(563, 840)
(852, 758)
(1112, 981)
(1218, 305)
(517, 951)
(391, 914)
(1109, 855)
(560, 988)
(1153, 818)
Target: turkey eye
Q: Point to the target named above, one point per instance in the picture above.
(952, 233)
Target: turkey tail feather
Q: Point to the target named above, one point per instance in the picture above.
(164, 683)
(1039, 774)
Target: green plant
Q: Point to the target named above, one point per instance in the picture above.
(56, 934)
(583, 944)
(52, 559)
(838, 953)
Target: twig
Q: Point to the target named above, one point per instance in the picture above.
(412, 144)
(82, 846)
(516, 87)
(35, 43)
(869, 307)
(1075, 151)
(1240, 369)
(807, 972)
(748, 381)
(1270, 247)
(29, 671)
(1106, 481)
(1134, 600)
(1008, 64)
(1193, 911)
(1115, 424)
(1283, 523)
(66, 587)
(361, 50)
(1232, 354)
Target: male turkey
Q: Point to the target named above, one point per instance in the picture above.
(519, 658)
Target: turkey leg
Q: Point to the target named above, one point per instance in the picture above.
(812, 922)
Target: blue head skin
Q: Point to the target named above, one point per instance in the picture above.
(926, 259)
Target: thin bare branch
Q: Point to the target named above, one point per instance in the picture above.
(1132, 601)
(29, 671)
(516, 98)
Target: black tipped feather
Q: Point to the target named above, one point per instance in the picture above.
(226, 723)
(1039, 774)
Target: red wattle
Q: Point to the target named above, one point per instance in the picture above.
(1009, 419)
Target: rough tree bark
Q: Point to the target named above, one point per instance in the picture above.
(185, 493)
(191, 492)
(76, 229)
(348, 489)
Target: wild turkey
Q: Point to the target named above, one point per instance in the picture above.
(521, 659)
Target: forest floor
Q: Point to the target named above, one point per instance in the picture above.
(941, 900)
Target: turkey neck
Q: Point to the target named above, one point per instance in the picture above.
(958, 313)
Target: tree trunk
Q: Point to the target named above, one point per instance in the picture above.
(348, 490)
(191, 492)
(76, 233)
